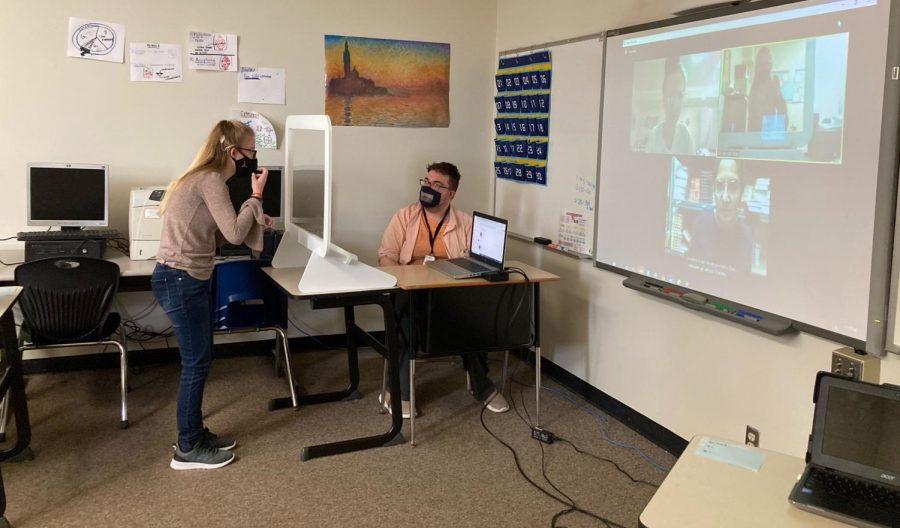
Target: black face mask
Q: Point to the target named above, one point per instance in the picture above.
(245, 166)
(428, 197)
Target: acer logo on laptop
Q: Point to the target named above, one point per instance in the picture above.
(888, 477)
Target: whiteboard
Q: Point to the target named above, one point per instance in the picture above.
(536, 210)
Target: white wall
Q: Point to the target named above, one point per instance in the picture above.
(689, 372)
(57, 108)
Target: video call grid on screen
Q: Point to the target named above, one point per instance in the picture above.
(746, 144)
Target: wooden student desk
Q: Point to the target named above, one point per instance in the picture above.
(288, 280)
(426, 278)
(422, 279)
(410, 278)
(700, 492)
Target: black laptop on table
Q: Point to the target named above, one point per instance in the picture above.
(853, 461)
(487, 248)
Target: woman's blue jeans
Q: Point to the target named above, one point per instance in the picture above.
(187, 301)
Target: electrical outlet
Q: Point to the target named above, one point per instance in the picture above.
(858, 365)
(751, 437)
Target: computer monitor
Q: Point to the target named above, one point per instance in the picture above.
(68, 195)
(272, 201)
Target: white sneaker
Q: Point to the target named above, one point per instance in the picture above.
(385, 400)
(496, 403)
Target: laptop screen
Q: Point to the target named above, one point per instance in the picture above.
(488, 238)
(863, 428)
(857, 429)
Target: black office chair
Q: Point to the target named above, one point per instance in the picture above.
(66, 302)
(245, 300)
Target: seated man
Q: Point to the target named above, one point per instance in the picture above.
(421, 232)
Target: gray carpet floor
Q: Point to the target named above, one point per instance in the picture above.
(88, 472)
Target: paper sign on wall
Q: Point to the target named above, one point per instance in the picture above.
(573, 232)
(212, 51)
(265, 132)
(152, 62)
(93, 39)
(261, 85)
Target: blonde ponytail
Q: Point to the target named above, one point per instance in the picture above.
(213, 155)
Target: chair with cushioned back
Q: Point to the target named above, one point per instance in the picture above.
(66, 302)
(246, 300)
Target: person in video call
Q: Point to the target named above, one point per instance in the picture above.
(671, 136)
(196, 209)
(719, 235)
(765, 102)
(430, 229)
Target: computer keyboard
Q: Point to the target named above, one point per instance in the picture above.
(856, 489)
(471, 266)
(75, 234)
(232, 250)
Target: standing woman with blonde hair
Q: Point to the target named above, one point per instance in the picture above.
(196, 211)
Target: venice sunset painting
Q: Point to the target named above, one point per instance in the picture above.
(382, 82)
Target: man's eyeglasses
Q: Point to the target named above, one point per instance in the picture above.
(437, 186)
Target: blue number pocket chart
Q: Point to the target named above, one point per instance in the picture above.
(522, 122)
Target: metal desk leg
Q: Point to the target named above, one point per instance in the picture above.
(390, 352)
(413, 339)
(352, 355)
(412, 402)
(537, 354)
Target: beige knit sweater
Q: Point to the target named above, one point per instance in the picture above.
(197, 215)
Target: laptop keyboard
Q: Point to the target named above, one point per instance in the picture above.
(471, 266)
(855, 489)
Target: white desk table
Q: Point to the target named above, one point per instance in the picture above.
(135, 273)
(702, 492)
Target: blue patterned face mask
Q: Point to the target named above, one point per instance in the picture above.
(428, 197)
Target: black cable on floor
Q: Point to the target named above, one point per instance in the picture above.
(527, 420)
(547, 478)
(602, 459)
(517, 382)
(569, 505)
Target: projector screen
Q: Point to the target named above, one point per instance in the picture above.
(740, 157)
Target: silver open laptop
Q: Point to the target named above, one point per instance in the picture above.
(853, 469)
(487, 248)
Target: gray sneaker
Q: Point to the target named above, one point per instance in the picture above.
(202, 456)
(226, 443)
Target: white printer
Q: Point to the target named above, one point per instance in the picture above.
(144, 222)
